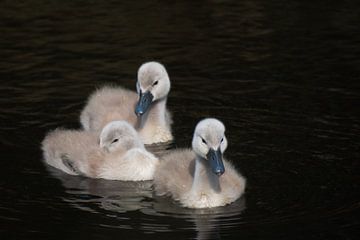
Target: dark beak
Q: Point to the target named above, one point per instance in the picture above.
(144, 103)
(215, 160)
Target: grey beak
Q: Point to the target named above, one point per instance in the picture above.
(215, 160)
(144, 103)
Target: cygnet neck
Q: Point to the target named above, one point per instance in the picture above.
(155, 116)
(204, 178)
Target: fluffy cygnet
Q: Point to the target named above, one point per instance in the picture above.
(200, 178)
(116, 154)
(144, 110)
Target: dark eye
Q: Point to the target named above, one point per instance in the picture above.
(155, 83)
(115, 140)
(203, 140)
(221, 140)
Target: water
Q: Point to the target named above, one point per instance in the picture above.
(283, 77)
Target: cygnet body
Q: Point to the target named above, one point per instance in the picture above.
(145, 110)
(116, 154)
(200, 178)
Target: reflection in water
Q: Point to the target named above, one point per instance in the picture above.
(207, 222)
(159, 149)
(115, 198)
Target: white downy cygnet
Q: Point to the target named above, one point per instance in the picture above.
(200, 178)
(117, 154)
(145, 110)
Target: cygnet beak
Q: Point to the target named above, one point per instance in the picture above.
(215, 159)
(144, 103)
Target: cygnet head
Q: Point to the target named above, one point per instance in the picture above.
(209, 142)
(153, 84)
(119, 135)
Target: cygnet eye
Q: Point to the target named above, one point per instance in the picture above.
(115, 140)
(203, 140)
(155, 83)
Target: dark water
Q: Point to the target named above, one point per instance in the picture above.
(284, 78)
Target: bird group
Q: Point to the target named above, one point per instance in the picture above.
(116, 123)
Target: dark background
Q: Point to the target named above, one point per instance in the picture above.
(282, 75)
